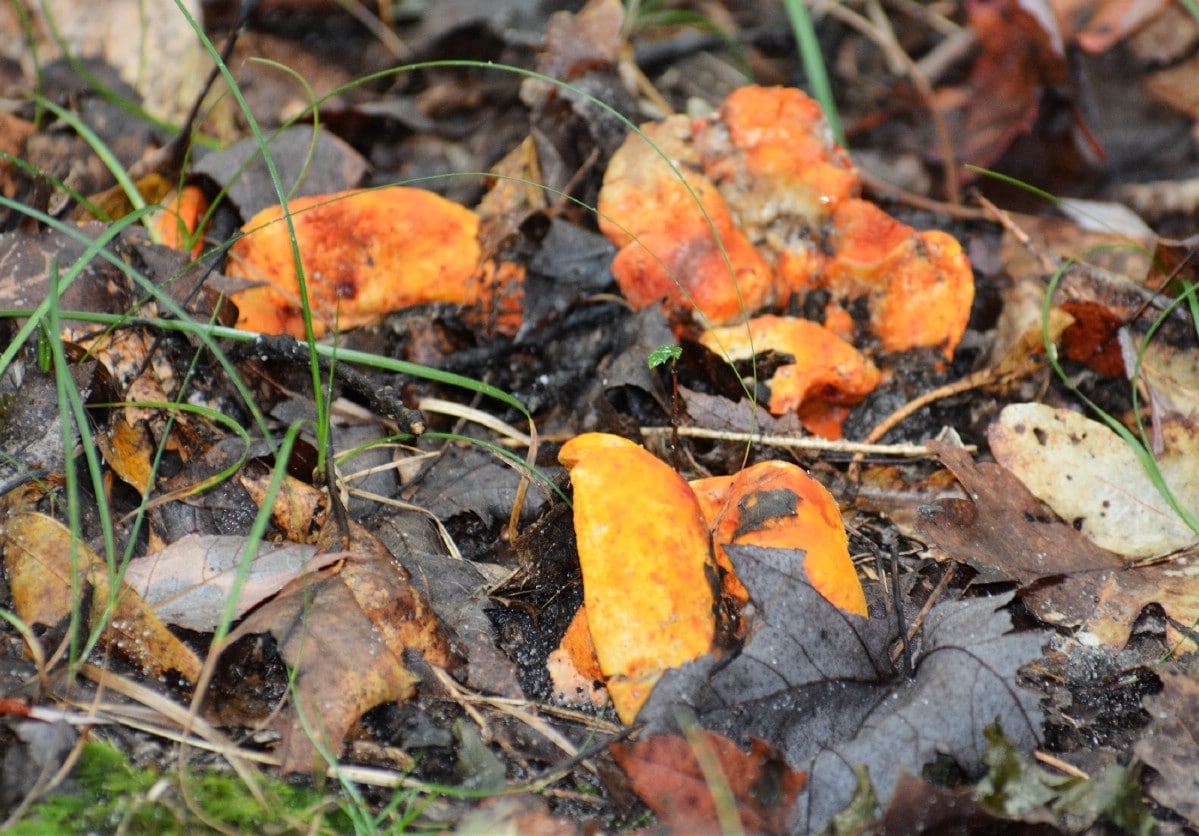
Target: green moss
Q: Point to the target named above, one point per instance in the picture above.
(114, 795)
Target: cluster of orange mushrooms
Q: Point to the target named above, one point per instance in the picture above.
(748, 209)
(727, 220)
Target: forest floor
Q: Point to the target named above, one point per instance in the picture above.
(912, 548)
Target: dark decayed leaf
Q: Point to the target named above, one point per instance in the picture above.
(471, 480)
(920, 807)
(1004, 525)
(1171, 745)
(333, 167)
(345, 630)
(817, 683)
(456, 590)
(1018, 787)
(31, 435)
(26, 263)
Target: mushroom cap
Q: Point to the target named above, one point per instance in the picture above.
(364, 253)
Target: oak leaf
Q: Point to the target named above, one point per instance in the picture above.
(818, 683)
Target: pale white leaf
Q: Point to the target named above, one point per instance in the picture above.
(1092, 479)
(189, 581)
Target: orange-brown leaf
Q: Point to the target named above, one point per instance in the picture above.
(648, 574)
(665, 772)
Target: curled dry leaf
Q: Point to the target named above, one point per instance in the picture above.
(345, 630)
(39, 555)
(188, 583)
(775, 504)
(648, 586)
(824, 366)
(365, 254)
(676, 234)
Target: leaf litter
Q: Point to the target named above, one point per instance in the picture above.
(434, 638)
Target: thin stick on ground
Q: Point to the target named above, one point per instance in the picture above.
(809, 443)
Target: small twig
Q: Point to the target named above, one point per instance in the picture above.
(918, 621)
(815, 445)
(467, 699)
(878, 186)
(1049, 263)
(1060, 765)
(905, 642)
(382, 400)
(477, 416)
(924, 14)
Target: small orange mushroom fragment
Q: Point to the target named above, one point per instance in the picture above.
(671, 237)
(176, 225)
(775, 504)
(920, 284)
(573, 667)
(648, 574)
(825, 367)
(365, 254)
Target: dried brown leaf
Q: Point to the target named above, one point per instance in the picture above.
(1068, 580)
(40, 559)
(345, 630)
(1171, 744)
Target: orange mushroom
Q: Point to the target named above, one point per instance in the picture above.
(178, 222)
(648, 572)
(920, 284)
(365, 254)
(825, 367)
(773, 158)
(573, 667)
(775, 504)
(678, 244)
